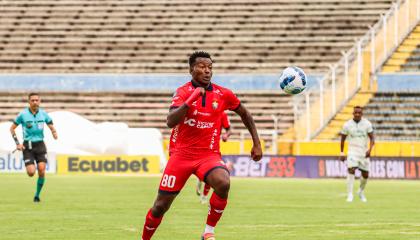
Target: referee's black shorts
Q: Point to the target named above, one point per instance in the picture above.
(37, 153)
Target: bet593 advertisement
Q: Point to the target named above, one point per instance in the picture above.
(319, 167)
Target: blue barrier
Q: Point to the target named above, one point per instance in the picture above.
(399, 82)
(133, 82)
(394, 82)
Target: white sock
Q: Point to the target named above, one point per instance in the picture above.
(209, 229)
(350, 181)
(363, 182)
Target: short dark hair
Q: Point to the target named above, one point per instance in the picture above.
(358, 107)
(198, 54)
(32, 94)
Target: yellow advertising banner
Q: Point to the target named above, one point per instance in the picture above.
(108, 164)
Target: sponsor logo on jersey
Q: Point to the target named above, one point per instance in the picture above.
(175, 133)
(217, 91)
(198, 124)
(190, 121)
(213, 136)
(196, 112)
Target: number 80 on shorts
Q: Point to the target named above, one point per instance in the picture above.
(168, 181)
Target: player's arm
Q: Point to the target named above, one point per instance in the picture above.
(226, 126)
(227, 134)
(53, 131)
(176, 115)
(49, 122)
(256, 152)
(19, 146)
(343, 139)
(371, 143)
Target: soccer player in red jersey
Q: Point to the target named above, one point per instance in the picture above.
(225, 125)
(195, 116)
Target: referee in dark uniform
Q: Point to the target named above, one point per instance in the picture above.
(33, 120)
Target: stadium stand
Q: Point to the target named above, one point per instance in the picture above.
(407, 56)
(149, 109)
(395, 116)
(332, 130)
(244, 36)
(108, 36)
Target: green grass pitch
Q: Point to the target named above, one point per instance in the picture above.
(106, 207)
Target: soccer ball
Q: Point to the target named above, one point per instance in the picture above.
(293, 80)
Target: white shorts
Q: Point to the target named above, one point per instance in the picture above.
(361, 163)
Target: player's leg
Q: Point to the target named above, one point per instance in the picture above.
(219, 180)
(364, 168)
(350, 183)
(351, 169)
(176, 173)
(41, 180)
(40, 152)
(214, 172)
(30, 169)
(29, 161)
(155, 215)
(363, 182)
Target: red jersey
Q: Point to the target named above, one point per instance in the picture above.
(199, 132)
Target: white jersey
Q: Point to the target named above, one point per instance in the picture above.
(357, 136)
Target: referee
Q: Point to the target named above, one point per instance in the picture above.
(32, 120)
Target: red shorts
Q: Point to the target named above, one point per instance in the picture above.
(180, 167)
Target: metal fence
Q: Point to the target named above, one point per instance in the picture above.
(355, 71)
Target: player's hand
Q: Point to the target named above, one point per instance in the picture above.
(20, 147)
(256, 153)
(202, 91)
(55, 136)
(342, 157)
(195, 95)
(225, 137)
(367, 153)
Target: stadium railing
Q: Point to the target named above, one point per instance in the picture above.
(355, 71)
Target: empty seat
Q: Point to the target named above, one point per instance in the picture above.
(157, 36)
(149, 109)
(395, 116)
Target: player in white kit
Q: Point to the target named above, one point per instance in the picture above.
(357, 131)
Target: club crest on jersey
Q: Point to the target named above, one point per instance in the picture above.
(215, 104)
